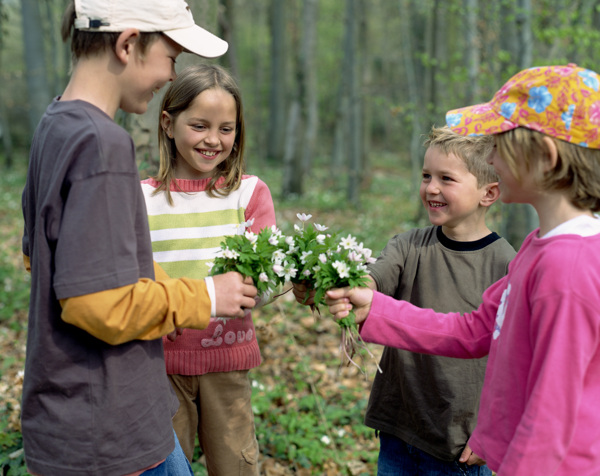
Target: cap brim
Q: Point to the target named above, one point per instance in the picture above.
(480, 119)
(197, 40)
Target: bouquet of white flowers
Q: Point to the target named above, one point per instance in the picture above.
(310, 256)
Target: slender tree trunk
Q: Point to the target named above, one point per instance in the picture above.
(310, 111)
(35, 64)
(364, 75)
(293, 164)
(275, 144)
(472, 54)
(227, 12)
(509, 39)
(342, 138)
(7, 144)
(416, 153)
(5, 133)
(292, 183)
(354, 123)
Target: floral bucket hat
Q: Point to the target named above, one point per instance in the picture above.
(559, 101)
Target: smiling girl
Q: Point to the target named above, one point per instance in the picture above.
(199, 197)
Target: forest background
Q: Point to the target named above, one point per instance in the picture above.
(337, 96)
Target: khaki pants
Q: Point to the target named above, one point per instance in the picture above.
(218, 407)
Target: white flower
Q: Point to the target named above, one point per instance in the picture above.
(325, 440)
(262, 277)
(371, 260)
(249, 223)
(316, 269)
(305, 254)
(230, 254)
(278, 270)
(210, 266)
(366, 252)
(354, 256)
(348, 243)
(289, 271)
(306, 272)
(251, 237)
(289, 240)
(320, 227)
(297, 228)
(303, 216)
(341, 432)
(278, 256)
(273, 240)
(320, 239)
(342, 269)
(276, 231)
(323, 258)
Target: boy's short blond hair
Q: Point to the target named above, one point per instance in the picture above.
(577, 171)
(473, 150)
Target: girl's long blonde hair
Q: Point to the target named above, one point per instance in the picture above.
(192, 81)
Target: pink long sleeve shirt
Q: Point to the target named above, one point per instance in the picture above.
(540, 404)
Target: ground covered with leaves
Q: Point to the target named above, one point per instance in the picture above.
(309, 404)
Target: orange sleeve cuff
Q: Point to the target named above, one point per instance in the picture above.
(27, 263)
(145, 310)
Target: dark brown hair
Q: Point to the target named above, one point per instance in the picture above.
(89, 43)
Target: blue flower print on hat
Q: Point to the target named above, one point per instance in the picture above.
(453, 120)
(539, 99)
(567, 116)
(590, 79)
(507, 109)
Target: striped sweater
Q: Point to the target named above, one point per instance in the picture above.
(185, 237)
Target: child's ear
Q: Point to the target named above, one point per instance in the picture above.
(166, 122)
(550, 157)
(125, 44)
(491, 193)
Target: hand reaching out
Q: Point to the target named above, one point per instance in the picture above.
(234, 294)
(342, 300)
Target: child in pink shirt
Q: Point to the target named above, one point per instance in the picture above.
(540, 325)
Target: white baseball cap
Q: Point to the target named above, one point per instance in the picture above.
(171, 17)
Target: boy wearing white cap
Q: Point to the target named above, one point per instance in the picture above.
(96, 399)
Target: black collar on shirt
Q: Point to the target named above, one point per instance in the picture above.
(465, 245)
